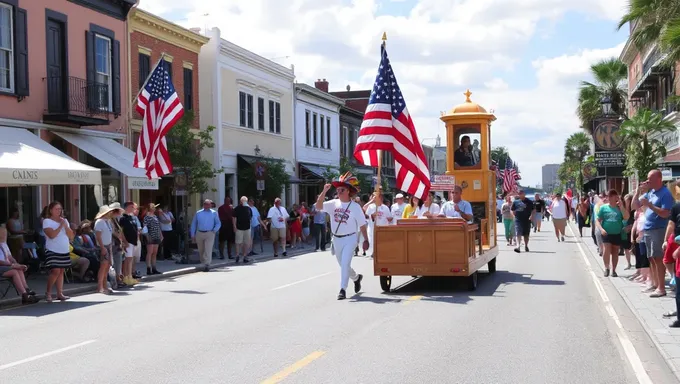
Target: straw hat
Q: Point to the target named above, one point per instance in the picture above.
(104, 209)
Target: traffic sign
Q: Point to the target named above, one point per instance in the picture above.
(260, 171)
(260, 185)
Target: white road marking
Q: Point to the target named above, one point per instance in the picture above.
(47, 354)
(301, 281)
(628, 348)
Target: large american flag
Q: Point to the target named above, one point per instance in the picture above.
(387, 126)
(510, 176)
(159, 105)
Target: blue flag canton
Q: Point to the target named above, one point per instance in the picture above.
(508, 163)
(159, 84)
(385, 89)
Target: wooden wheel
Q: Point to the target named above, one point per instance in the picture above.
(492, 265)
(472, 282)
(385, 283)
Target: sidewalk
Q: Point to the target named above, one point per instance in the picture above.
(169, 268)
(648, 311)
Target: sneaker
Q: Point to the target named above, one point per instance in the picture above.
(606, 272)
(357, 283)
(517, 250)
(284, 254)
(614, 274)
(563, 238)
(342, 295)
(526, 248)
(246, 260)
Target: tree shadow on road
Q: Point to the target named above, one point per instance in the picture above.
(44, 309)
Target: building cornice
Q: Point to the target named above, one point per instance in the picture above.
(313, 91)
(628, 53)
(152, 25)
(232, 50)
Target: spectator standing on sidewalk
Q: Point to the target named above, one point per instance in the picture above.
(227, 234)
(256, 227)
(657, 201)
(130, 241)
(166, 218)
(278, 217)
(319, 228)
(104, 233)
(58, 235)
(205, 224)
(243, 216)
(674, 250)
(154, 238)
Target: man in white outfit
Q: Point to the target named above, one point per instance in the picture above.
(398, 208)
(347, 221)
(378, 215)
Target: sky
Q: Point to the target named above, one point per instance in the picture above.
(524, 59)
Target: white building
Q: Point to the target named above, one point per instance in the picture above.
(249, 99)
(317, 138)
(549, 179)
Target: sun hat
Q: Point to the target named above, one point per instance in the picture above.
(348, 181)
(104, 209)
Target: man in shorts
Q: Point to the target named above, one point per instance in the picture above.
(243, 216)
(130, 240)
(278, 216)
(523, 208)
(657, 201)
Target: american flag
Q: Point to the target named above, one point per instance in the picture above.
(387, 126)
(510, 176)
(159, 105)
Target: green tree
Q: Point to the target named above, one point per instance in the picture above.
(346, 165)
(576, 150)
(642, 151)
(658, 21)
(185, 146)
(610, 77)
(499, 155)
(275, 179)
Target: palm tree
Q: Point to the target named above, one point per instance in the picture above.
(642, 150)
(658, 21)
(576, 149)
(610, 79)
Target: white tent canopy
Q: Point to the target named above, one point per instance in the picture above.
(115, 155)
(25, 159)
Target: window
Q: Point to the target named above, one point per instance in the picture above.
(144, 68)
(260, 114)
(308, 129)
(314, 131)
(250, 111)
(169, 69)
(344, 141)
(322, 130)
(278, 117)
(188, 89)
(242, 109)
(103, 72)
(6, 48)
(328, 132)
(272, 117)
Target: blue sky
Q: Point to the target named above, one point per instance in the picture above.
(524, 59)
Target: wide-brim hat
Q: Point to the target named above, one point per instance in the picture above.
(348, 181)
(104, 209)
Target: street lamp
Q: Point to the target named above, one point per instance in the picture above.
(606, 105)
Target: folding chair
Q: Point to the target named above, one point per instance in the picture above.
(7, 283)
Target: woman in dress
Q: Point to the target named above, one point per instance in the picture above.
(10, 269)
(155, 237)
(58, 236)
(295, 226)
(508, 220)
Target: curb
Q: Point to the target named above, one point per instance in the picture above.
(648, 331)
(92, 287)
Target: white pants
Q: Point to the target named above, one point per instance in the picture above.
(343, 247)
(371, 235)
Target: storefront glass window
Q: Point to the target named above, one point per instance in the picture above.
(22, 199)
(110, 191)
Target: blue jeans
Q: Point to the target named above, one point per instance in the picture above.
(255, 235)
(320, 236)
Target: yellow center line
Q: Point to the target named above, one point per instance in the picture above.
(298, 365)
(412, 299)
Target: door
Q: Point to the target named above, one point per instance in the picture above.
(57, 79)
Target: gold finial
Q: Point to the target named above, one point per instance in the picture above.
(384, 37)
(467, 96)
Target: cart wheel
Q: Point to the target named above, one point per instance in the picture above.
(472, 282)
(492, 265)
(385, 283)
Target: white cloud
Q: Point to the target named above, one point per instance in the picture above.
(440, 48)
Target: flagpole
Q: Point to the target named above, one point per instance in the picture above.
(134, 101)
(378, 181)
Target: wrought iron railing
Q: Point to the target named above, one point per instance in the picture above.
(72, 95)
(652, 59)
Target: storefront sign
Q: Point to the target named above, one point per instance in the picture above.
(443, 182)
(14, 176)
(605, 136)
(142, 183)
(610, 159)
(667, 174)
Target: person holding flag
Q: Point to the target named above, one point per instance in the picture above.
(159, 105)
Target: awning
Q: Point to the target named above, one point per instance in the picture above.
(115, 155)
(26, 159)
(317, 171)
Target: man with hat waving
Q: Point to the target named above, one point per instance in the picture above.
(347, 219)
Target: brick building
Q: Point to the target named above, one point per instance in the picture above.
(150, 38)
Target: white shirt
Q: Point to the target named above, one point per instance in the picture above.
(434, 210)
(104, 226)
(559, 209)
(381, 214)
(166, 216)
(345, 218)
(449, 209)
(275, 213)
(397, 212)
(60, 243)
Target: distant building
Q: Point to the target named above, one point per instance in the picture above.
(550, 179)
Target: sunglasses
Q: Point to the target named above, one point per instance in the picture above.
(341, 189)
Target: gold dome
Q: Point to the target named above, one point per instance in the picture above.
(468, 106)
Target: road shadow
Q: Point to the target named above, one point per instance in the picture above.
(188, 292)
(454, 289)
(44, 309)
(360, 298)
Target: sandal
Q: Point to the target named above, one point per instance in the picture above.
(62, 298)
(48, 297)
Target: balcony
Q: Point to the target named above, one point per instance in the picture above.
(75, 101)
(651, 71)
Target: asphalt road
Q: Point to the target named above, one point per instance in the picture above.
(539, 319)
